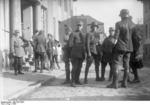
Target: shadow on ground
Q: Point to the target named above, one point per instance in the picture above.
(28, 76)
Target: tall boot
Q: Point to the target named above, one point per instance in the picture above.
(97, 73)
(110, 73)
(73, 78)
(88, 64)
(67, 66)
(125, 78)
(103, 72)
(78, 72)
(136, 76)
(114, 83)
(97, 69)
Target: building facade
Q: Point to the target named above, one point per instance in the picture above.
(86, 27)
(27, 16)
(146, 15)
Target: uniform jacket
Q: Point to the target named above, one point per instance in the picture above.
(17, 46)
(66, 40)
(40, 43)
(125, 31)
(137, 44)
(108, 44)
(77, 44)
(55, 48)
(50, 45)
(92, 41)
(107, 49)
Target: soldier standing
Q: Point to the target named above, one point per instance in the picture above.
(40, 48)
(34, 50)
(107, 49)
(77, 44)
(136, 59)
(67, 51)
(49, 50)
(124, 33)
(93, 50)
(18, 52)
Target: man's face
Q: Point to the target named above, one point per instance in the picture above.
(124, 15)
(79, 27)
(50, 37)
(111, 32)
(17, 34)
(94, 28)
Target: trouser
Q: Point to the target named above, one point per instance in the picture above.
(89, 61)
(55, 60)
(118, 58)
(50, 57)
(76, 69)
(104, 64)
(135, 73)
(18, 64)
(36, 60)
(39, 56)
(66, 59)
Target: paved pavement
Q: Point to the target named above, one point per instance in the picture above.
(54, 90)
(13, 86)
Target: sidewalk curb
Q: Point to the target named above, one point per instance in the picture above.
(28, 89)
(31, 88)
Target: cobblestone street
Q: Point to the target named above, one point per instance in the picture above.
(55, 90)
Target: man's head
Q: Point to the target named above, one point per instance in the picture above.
(49, 36)
(41, 32)
(16, 32)
(111, 31)
(94, 26)
(124, 13)
(79, 25)
(67, 29)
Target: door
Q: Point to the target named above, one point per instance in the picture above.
(28, 22)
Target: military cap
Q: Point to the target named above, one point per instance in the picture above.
(94, 24)
(124, 11)
(111, 29)
(16, 31)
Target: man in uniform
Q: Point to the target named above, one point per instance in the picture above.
(67, 52)
(40, 48)
(124, 33)
(34, 50)
(77, 44)
(136, 59)
(107, 48)
(93, 50)
(18, 52)
(49, 49)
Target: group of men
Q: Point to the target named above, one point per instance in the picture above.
(122, 45)
(42, 47)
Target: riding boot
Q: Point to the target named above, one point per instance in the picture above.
(103, 72)
(125, 79)
(114, 83)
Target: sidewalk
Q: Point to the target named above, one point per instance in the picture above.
(13, 86)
